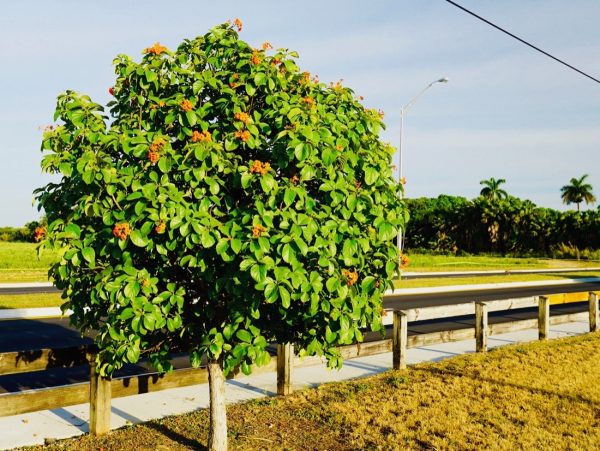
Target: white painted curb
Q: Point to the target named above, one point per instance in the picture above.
(26, 285)
(30, 313)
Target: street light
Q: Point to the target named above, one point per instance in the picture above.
(403, 111)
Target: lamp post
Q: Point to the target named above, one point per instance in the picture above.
(403, 111)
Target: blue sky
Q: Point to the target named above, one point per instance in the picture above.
(507, 112)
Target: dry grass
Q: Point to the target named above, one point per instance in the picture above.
(542, 395)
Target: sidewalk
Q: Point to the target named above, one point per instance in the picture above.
(34, 428)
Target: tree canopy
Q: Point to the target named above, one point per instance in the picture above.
(577, 191)
(230, 200)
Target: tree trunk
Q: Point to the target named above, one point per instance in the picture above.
(217, 438)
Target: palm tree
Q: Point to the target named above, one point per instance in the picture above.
(492, 190)
(577, 191)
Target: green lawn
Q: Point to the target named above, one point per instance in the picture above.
(425, 262)
(19, 262)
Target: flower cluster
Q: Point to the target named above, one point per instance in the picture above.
(121, 230)
(258, 167)
(350, 276)
(339, 147)
(238, 24)
(244, 117)
(155, 148)
(255, 59)
(403, 181)
(295, 179)
(309, 101)
(266, 46)
(160, 227)
(39, 233)
(403, 261)
(156, 49)
(186, 105)
(244, 135)
(201, 137)
(258, 230)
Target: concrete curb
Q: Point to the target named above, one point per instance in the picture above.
(32, 313)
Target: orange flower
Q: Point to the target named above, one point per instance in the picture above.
(39, 233)
(305, 77)
(186, 105)
(238, 24)
(153, 156)
(339, 147)
(244, 117)
(403, 261)
(403, 181)
(145, 283)
(357, 184)
(121, 230)
(266, 46)
(309, 101)
(156, 49)
(295, 179)
(255, 59)
(258, 167)
(236, 76)
(244, 135)
(160, 227)
(258, 230)
(350, 276)
(200, 137)
(161, 103)
(275, 62)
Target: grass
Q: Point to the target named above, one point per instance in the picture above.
(542, 395)
(35, 300)
(19, 263)
(426, 262)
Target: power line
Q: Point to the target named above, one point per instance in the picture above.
(523, 41)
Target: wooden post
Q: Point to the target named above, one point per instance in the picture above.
(285, 354)
(543, 317)
(594, 318)
(100, 393)
(481, 326)
(400, 339)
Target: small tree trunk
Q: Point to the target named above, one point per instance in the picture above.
(217, 438)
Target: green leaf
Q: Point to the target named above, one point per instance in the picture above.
(259, 272)
(371, 175)
(236, 245)
(244, 335)
(137, 238)
(72, 231)
(289, 196)
(285, 296)
(89, 255)
(288, 254)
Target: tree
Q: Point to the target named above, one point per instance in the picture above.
(492, 190)
(577, 191)
(231, 201)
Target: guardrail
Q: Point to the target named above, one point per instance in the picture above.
(100, 390)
